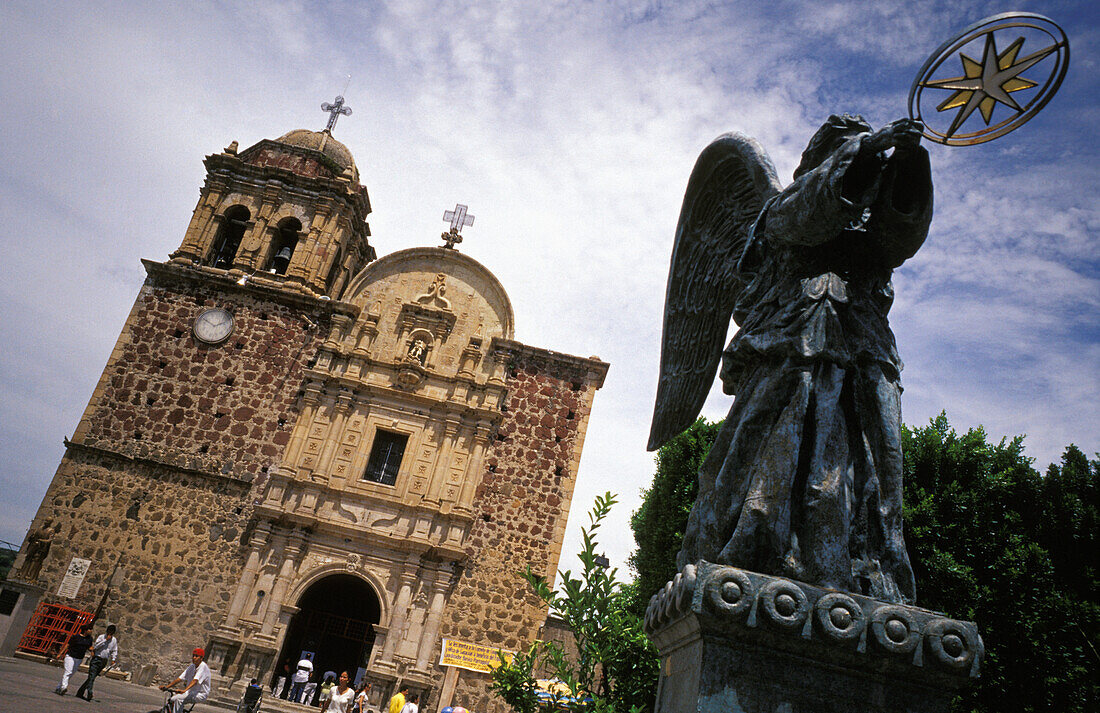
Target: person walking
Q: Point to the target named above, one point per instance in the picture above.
(79, 644)
(340, 697)
(398, 700)
(104, 652)
(411, 706)
(197, 678)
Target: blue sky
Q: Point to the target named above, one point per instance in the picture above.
(569, 129)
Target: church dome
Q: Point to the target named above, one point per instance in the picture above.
(320, 141)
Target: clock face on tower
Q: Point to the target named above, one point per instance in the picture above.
(213, 326)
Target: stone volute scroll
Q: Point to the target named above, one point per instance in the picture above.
(434, 296)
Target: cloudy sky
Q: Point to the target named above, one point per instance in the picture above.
(569, 128)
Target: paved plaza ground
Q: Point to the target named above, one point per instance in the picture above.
(27, 687)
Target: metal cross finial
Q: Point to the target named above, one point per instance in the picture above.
(459, 219)
(335, 110)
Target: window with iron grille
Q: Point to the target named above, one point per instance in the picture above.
(385, 457)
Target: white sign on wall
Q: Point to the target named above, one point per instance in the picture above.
(74, 577)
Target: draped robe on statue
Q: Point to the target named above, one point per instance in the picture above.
(805, 477)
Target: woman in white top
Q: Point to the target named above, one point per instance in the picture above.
(361, 699)
(341, 698)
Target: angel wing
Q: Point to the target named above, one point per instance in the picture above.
(730, 183)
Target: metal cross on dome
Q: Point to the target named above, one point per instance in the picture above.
(335, 110)
(459, 219)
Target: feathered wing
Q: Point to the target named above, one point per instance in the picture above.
(730, 183)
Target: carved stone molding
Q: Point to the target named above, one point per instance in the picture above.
(727, 634)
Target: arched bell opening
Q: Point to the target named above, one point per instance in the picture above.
(228, 238)
(282, 250)
(335, 623)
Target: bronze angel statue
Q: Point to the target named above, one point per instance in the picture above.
(805, 477)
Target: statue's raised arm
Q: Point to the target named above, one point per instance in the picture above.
(804, 479)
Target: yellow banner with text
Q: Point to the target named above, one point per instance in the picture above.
(472, 657)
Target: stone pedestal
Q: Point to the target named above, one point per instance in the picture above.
(734, 641)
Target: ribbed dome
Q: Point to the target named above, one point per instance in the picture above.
(321, 141)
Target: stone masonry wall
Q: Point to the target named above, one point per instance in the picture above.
(522, 504)
(227, 408)
(172, 450)
(175, 537)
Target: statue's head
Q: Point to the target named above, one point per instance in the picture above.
(834, 132)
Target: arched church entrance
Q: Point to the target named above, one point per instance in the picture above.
(335, 622)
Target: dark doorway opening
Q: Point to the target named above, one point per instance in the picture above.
(335, 621)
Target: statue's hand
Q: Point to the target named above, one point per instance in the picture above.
(903, 135)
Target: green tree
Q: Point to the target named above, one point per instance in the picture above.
(993, 541)
(659, 522)
(616, 665)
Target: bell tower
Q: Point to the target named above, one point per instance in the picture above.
(289, 213)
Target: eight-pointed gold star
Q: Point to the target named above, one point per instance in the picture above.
(987, 82)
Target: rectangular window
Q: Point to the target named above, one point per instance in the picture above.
(385, 457)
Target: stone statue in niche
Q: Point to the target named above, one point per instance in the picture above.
(418, 351)
(805, 477)
(38, 548)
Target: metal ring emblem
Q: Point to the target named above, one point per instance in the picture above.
(990, 85)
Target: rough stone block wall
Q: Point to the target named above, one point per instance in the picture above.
(165, 465)
(177, 549)
(522, 500)
(227, 408)
(300, 164)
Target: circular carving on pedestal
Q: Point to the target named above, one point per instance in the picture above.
(668, 599)
(840, 617)
(895, 629)
(730, 592)
(685, 588)
(651, 613)
(952, 644)
(785, 603)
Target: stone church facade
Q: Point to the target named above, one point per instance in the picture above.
(298, 446)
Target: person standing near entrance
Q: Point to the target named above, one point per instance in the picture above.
(301, 676)
(341, 696)
(398, 701)
(411, 706)
(327, 685)
(104, 651)
(79, 644)
(282, 682)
